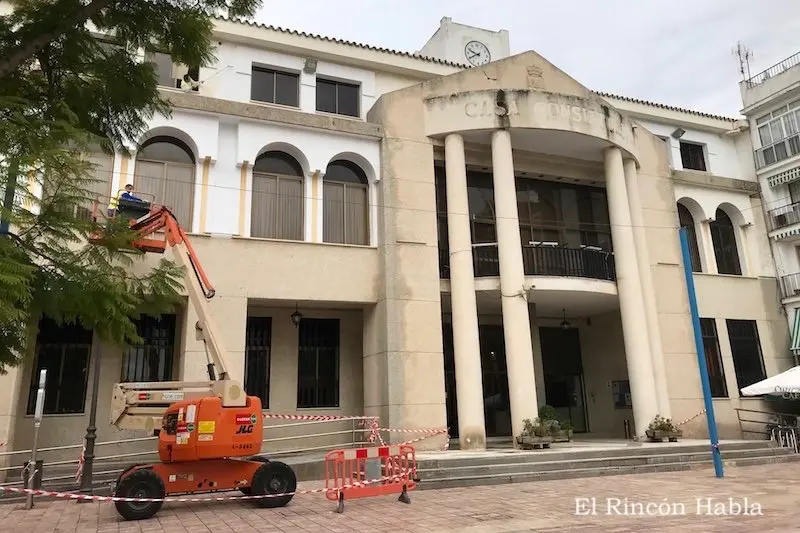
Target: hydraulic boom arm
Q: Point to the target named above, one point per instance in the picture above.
(141, 405)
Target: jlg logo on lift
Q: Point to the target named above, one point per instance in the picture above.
(246, 422)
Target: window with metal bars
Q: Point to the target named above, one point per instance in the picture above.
(686, 220)
(716, 372)
(748, 361)
(63, 350)
(258, 342)
(723, 237)
(153, 359)
(318, 363)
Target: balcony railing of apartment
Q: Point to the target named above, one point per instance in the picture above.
(779, 151)
(790, 285)
(784, 216)
(774, 70)
(587, 262)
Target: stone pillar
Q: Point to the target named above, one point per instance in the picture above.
(648, 292)
(629, 286)
(466, 343)
(516, 324)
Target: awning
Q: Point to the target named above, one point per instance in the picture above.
(787, 176)
(786, 382)
(795, 347)
(789, 232)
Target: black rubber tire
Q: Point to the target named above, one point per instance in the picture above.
(246, 490)
(140, 484)
(274, 478)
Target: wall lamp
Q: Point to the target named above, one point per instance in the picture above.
(678, 133)
(296, 317)
(310, 66)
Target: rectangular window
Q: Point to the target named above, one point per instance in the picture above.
(62, 350)
(339, 98)
(277, 210)
(153, 359)
(746, 349)
(275, 87)
(346, 213)
(162, 63)
(716, 372)
(318, 363)
(258, 339)
(692, 156)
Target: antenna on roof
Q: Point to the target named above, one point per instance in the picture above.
(744, 54)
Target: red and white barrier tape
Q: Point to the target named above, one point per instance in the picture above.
(75, 496)
(691, 418)
(316, 418)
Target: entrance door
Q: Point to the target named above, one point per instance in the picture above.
(563, 375)
(450, 379)
(496, 406)
(496, 403)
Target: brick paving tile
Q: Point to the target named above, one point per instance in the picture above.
(542, 507)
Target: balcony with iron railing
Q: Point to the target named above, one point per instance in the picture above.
(774, 70)
(790, 285)
(586, 262)
(784, 216)
(759, 90)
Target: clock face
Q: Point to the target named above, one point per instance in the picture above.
(477, 53)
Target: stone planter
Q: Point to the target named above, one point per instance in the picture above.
(527, 442)
(564, 435)
(659, 436)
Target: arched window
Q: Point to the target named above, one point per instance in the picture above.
(723, 235)
(277, 209)
(345, 208)
(165, 169)
(687, 221)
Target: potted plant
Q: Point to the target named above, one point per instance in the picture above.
(560, 430)
(662, 428)
(534, 435)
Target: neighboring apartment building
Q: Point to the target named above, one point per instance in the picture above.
(462, 244)
(771, 101)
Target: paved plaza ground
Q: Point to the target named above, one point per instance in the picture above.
(768, 494)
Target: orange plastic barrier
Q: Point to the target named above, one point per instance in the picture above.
(365, 472)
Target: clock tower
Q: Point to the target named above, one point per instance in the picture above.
(466, 45)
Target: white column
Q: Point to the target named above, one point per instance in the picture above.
(629, 286)
(516, 323)
(466, 343)
(648, 292)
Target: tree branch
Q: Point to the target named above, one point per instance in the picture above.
(30, 48)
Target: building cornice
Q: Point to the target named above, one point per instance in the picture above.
(289, 117)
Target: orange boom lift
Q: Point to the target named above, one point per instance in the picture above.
(209, 432)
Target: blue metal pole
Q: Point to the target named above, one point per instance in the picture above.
(701, 353)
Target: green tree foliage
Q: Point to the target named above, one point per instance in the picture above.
(64, 93)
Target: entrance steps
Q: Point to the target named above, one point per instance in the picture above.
(575, 460)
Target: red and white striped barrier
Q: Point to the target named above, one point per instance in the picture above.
(75, 496)
(371, 453)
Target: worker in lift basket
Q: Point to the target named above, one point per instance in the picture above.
(127, 194)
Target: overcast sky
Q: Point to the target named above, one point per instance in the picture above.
(675, 52)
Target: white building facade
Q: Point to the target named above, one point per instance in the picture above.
(771, 101)
(455, 266)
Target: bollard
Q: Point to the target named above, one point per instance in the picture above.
(32, 474)
(37, 422)
(627, 425)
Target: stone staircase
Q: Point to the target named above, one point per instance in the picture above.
(499, 465)
(494, 467)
